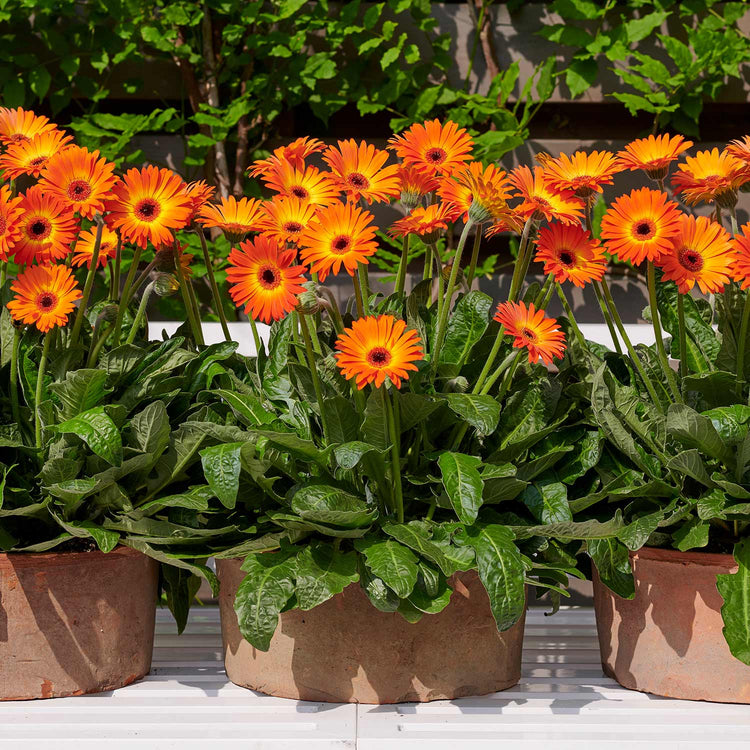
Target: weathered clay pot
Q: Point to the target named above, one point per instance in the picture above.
(75, 622)
(668, 640)
(346, 651)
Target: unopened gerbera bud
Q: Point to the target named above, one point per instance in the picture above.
(457, 385)
(107, 314)
(166, 285)
(410, 200)
(308, 303)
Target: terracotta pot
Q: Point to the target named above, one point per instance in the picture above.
(346, 651)
(75, 622)
(668, 640)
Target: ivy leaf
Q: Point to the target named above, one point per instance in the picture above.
(735, 590)
(221, 467)
(463, 483)
(98, 431)
(390, 561)
(323, 572)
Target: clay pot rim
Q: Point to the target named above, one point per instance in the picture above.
(694, 557)
(10, 560)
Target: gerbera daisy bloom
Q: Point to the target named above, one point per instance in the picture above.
(79, 179)
(44, 296)
(422, 221)
(532, 330)
(710, 177)
(376, 348)
(503, 226)
(294, 153)
(22, 125)
(653, 154)
(167, 256)
(264, 279)
(236, 218)
(341, 234)
(474, 183)
(641, 225)
(583, 174)
(200, 193)
(700, 254)
(285, 219)
(47, 228)
(740, 149)
(570, 253)
(309, 185)
(83, 251)
(433, 147)
(359, 171)
(10, 212)
(741, 265)
(413, 184)
(540, 201)
(31, 157)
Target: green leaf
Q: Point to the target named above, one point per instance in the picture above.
(735, 590)
(348, 455)
(481, 412)
(80, 391)
(342, 420)
(375, 424)
(731, 422)
(612, 562)
(414, 534)
(466, 325)
(463, 484)
(501, 570)
(323, 572)
(691, 535)
(98, 431)
(150, 429)
(639, 28)
(390, 561)
(106, 540)
(196, 498)
(39, 81)
(690, 462)
(322, 503)
(637, 532)
(696, 431)
(221, 467)
(581, 75)
(247, 407)
(548, 501)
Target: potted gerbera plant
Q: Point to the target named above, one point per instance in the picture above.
(403, 461)
(93, 467)
(674, 476)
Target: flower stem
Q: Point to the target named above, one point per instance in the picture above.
(365, 286)
(440, 280)
(256, 336)
(662, 352)
(490, 361)
(401, 275)
(741, 345)
(14, 376)
(214, 287)
(97, 344)
(38, 390)
(391, 409)
(509, 368)
(141, 312)
(606, 315)
(683, 339)
(3, 272)
(542, 299)
(114, 281)
(314, 373)
(733, 216)
(93, 267)
(358, 296)
(124, 298)
(574, 325)
(195, 325)
(474, 257)
(523, 260)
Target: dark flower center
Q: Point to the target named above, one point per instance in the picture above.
(436, 155)
(46, 301)
(269, 277)
(358, 180)
(379, 356)
(293, 227)
(147, 209)
(299, 192)
(341, 244)
(38, 162)
(39, 229)
(644, 230)
(567, 258)
(529, 335)
(18, 138)
(3, 225)
(79, 190)
(690, 259)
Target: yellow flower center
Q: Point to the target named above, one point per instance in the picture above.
(379, 357)
(147, 209)
(79, 190)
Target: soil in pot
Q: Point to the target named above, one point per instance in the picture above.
(668, 640)
(346, 651)
(75, 622)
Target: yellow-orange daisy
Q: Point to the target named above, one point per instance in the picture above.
(701, 254)
(285, 219)
(148, 205)
(236, 218)
(264, 279)
(83, 251)
(361, 171)
(341, 234)
(10, 213)
(31, 157)
(570, 253)
(18, 125)
(433, 147)
(474, 182)
(640, 225)
(653, 154)
(539, 201)
(414, 184)
(583, 174)
(376, 348)
(294, 153)
(505, 226)
(740, 149)
(741, 264)
(531, 330)
(710, 177)
(309, 185)
(422, 221)
(44, 296)
(200, 193)
(47, 228)
(80, 179)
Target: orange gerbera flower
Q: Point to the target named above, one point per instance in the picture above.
(168, 256)
(422, 221)
(236, 218)
(641, 225)
(79, 179)
(285, 219)
(359, 171)
(532, 330)
(434, 148)
(47, 228)
(475, 183)
(540, 201)
(583, 174)
(570, 253)
(31, 157)
(341, 234)
(10, 212)
(505, 226)
(148, 205)
(700, 254)
(414, 184)
(18, 125)
(200, 193)
(741, 265)
(710, 177)
(294, 153)
(653, 154)
(309, 185)
(83, 251)
(376, 348)
(740, 149)
(44, 296)
(264, 279)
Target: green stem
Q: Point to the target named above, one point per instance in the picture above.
(214, 287)
(607, 317)
(17, 333)
(333, 310)
(427, 270)
(358, 296)
(741, 345)
(474, 257)
(3, 272)
(314, 373)
(141, 313)
(401, 275)
(683, 339)
(440, 280)
(733, 216)
(391, 412)
(502, 368)
(490, 361)
(522, 262)
(256, 336)
(574, 325)
(38, 390)
(195, 325)
(542, 299)
(97, 344)
(124, 298)
(364, 279)
(115, 280)
(668, 372)
(87, 287)
(143, 277)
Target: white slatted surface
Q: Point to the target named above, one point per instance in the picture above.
(562, 702)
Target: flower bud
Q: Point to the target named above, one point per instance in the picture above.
(165, 285)
(308, 303)
(459, 384)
